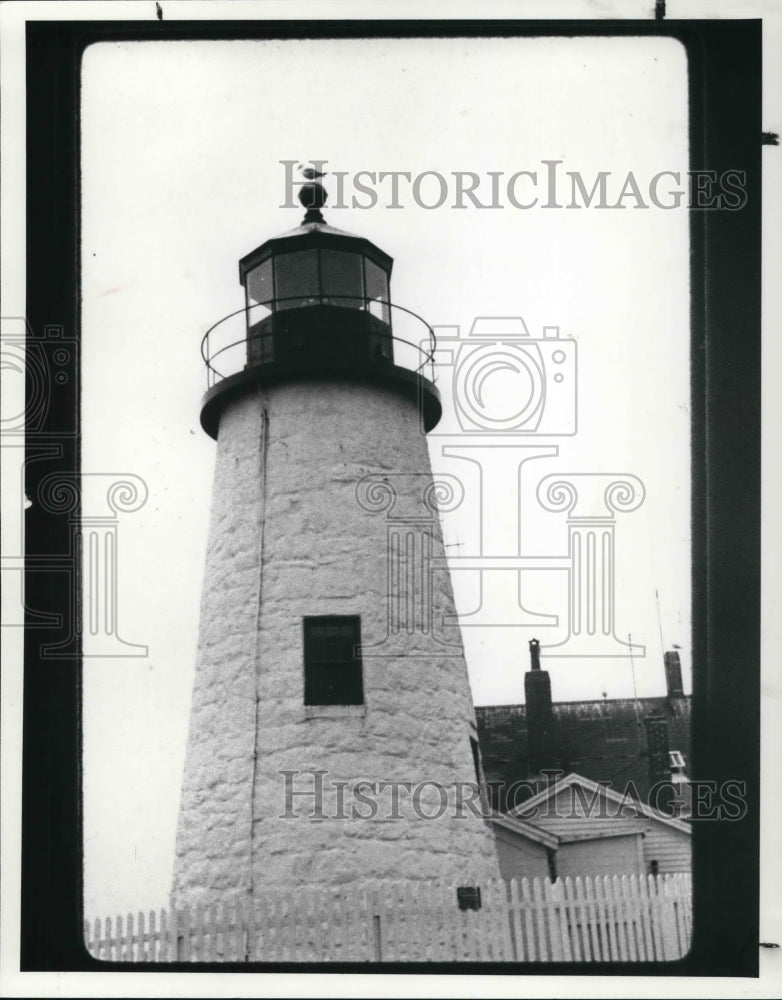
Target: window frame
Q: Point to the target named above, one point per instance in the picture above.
(308, 662)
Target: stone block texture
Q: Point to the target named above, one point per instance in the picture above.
(323, 504)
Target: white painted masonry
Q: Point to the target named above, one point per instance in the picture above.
(291, 536)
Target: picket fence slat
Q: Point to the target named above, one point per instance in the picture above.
(424, 930)
(656, 915)
(418, 926)
(453, 924)
(551, 907)
(271, 921)
(313, 926)
(582, 909)
(598, 930)
(445, 951)
(368, 929)
(597, 934)
(397, 929)
(630, 909)
(461, 932)
(670, 919)
(515, 921)
(434, 922)
(505, 930)
(619, 918)
(624, 918)
(681, 923)
(562, 893)
(686, 884)
(606, 888)
(486, 917)
(438, 925)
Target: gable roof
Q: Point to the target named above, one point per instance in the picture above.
(525, 829)
(592, 786)
(598, 834)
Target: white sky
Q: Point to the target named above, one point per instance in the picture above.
(181, 143)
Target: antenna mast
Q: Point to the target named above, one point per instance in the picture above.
(659, 620)
(635, 690)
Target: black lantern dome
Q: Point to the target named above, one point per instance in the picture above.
(317, 305)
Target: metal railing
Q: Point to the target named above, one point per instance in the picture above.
(229, 344)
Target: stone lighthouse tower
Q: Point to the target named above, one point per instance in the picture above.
(332, 735)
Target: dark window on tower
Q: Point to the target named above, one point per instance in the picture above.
(332, 661)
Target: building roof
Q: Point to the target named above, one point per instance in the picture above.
(602, 740)
(315, 227)
(309, 235)
(525, 829)
(555, 788)
(530, 830)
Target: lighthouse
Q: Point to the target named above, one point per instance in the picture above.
(332, 735)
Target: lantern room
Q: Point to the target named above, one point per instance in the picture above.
(317, 305)
(319, 285)
(317, 265)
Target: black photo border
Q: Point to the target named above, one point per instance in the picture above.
(725, 77)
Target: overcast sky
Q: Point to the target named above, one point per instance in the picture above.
(181, 178)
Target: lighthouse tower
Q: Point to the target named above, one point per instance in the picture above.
(332, 735)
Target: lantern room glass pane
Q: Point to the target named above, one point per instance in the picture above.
(296, 279)
(377, 290)
(259, 284)
(342, 279)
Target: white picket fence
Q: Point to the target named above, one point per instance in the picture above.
(608, 918)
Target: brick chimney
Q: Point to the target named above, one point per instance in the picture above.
(657, 754)
(673, 674)
(541, 748)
